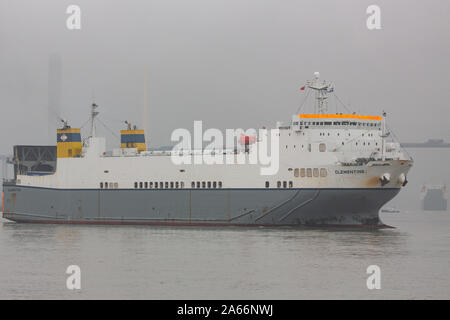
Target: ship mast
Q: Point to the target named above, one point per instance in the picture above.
(322, 89)
(384, 135)
(93, 115)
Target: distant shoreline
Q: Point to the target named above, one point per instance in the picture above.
(424, 145)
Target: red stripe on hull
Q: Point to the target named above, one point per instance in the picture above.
(199, 224)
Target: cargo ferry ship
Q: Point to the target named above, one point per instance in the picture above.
(335, 169)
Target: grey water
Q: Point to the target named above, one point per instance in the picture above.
(125, 262)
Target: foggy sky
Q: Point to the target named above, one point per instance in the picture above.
(232, 64)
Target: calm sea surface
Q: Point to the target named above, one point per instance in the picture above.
(238, 263)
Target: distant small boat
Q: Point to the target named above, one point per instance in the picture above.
(431, 143)
(434, 197)
(390, 210)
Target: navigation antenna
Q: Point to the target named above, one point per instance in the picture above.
(93, 115)
(322, 89)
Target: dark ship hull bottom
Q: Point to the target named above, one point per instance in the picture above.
(198, 207)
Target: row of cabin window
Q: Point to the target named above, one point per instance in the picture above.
(177, 185)
(310, 172)
(159, 185)
(285, 184)
(336, 123)
(322, 147)
(206, 184)
(109, 185)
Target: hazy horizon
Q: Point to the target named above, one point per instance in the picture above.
(233, 64)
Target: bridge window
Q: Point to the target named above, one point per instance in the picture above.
(309, 172)
(296, 172)
(322, 147)
(220, 184)
(209, 184)
(284, 184)
(146, 185)
(101, 185)
(291, 184)
(198, 184)
(214, 184)
(116, 185)
(177, 185)
(203, 184)
(193, 184)
(278, 184)
(267, 184)
(182, 185)
(167, 185)
(323, 172)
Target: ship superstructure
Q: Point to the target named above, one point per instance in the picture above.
(334, 169)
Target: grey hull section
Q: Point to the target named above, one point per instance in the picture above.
(247, 207)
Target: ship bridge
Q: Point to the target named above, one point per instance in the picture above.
(335, 121)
